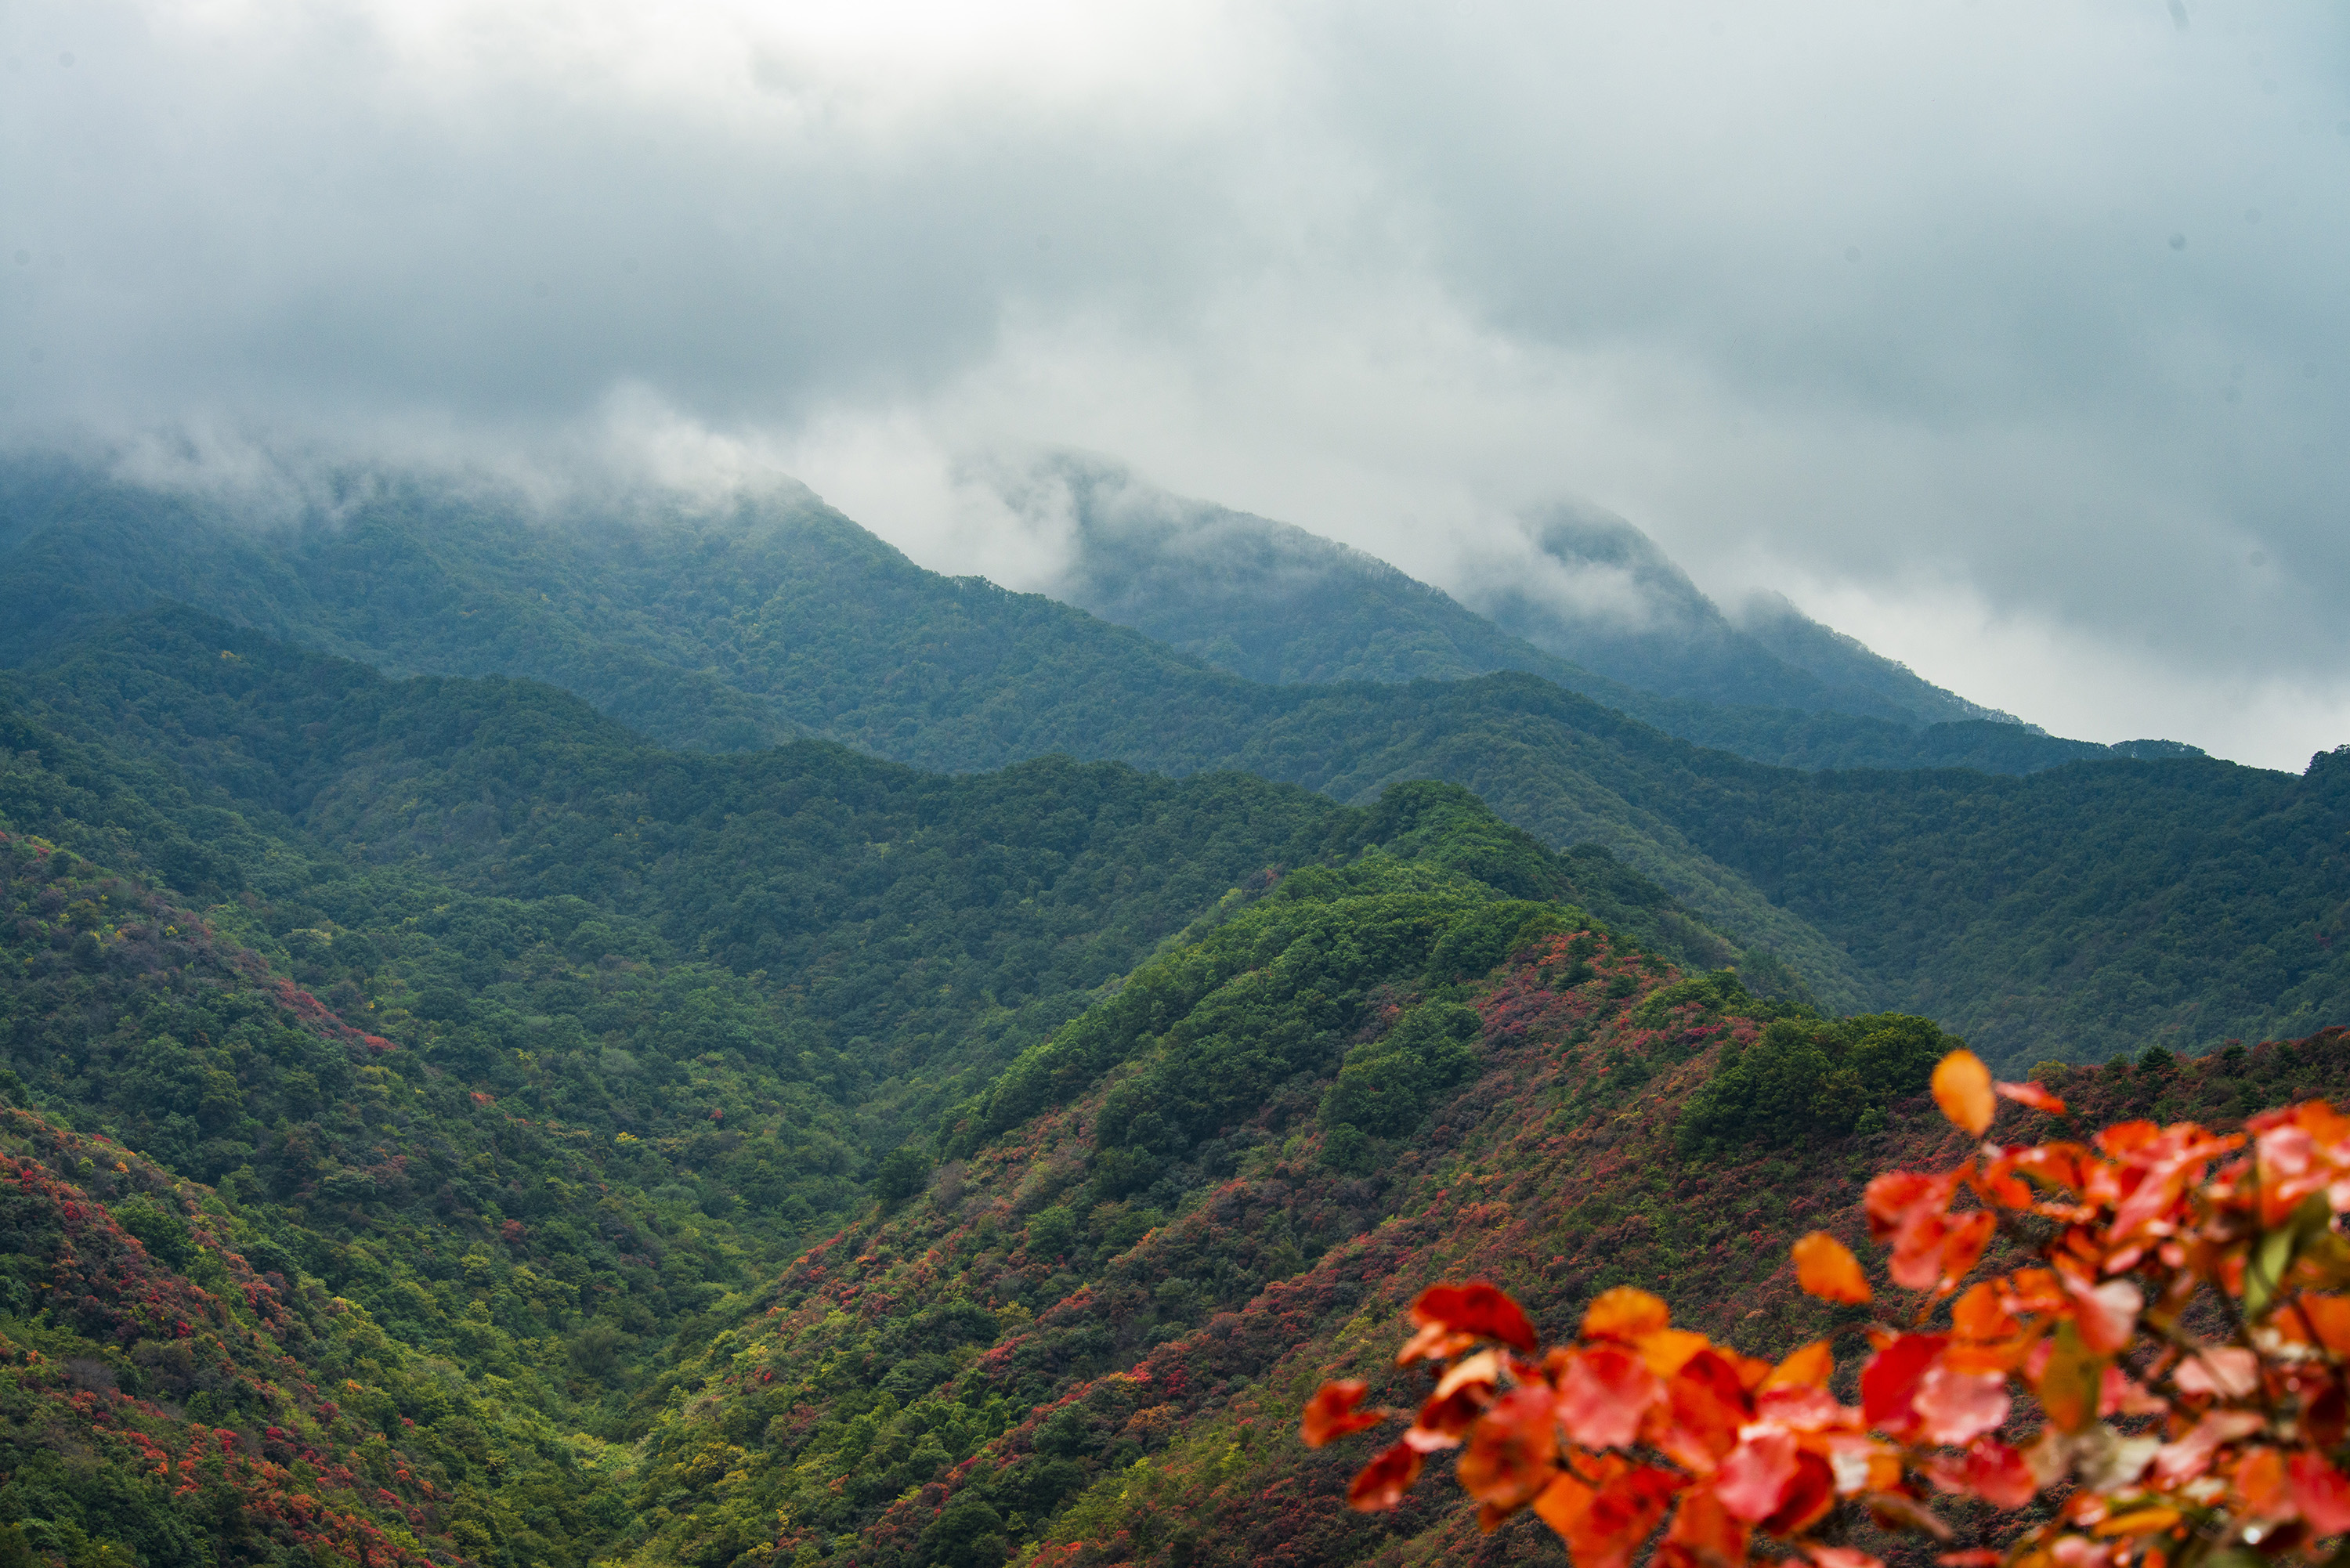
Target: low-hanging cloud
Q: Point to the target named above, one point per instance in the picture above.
(2006, 338)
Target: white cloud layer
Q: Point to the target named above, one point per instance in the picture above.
(2008, 338)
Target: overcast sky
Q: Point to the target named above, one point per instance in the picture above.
(2011, 337)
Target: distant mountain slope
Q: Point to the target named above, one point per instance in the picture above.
(737, 629)
(1595, 589)
(1845, 665)
(1928, 890)
(1277, 604)
(1267, 600)
(729, 631)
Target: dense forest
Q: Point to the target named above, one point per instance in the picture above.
(444, 1122)
(732, 630)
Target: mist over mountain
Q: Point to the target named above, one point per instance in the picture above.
(1594, 588)
(728, 628)
(1275, 603)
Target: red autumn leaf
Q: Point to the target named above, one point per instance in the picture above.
(1826, 1268)
(1703, 1534)
(1808, 1501)
(2030, 1095)
(1959, 1407)
(2105, 1314)
(1331, 1413)
(2320, 1492)
(1602, 1395)
(1434, 1342)
(2119, 1393)
(1962, 1087)
(1989, 1470)
(1972, 1557)
(1753, 1481)
(1705, 1405)
(1890, 1379)
(1841, 1557)
(1602, 1525)
(1445, 1417)
(1626, 1314)
(1802, 1409)
(1480, 1308)
(1513, 1450)
(2229, 1372)
(1898, 1197)
(2187, 1457)
(1380, 1485)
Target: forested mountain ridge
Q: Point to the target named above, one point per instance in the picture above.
(820, 627)
(732, 629)
(1274, 603)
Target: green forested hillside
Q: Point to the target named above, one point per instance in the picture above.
(823, 628)
(446, 1126)
(731, 629)
(1277, 604)
(441, 1072)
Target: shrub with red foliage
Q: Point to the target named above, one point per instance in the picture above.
(2182, 1328)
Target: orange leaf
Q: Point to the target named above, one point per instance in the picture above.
(1602, 1395)
(1627, 1314)
(1808, 1367)
(1963, 1088)
(1485, 1368)
(2032, 1095)
(1980, 1315)
(1964, 1244)
(2261, 1483)
(2138, 1521)
(1380, 1485)
(1331, 1412)
(1826, 1268)
(1668, 1350)
(1480, 1308)
(2328, 1318)
(1513, 1450)
(1604, 1525)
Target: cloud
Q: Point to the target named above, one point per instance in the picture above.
(2004, 338)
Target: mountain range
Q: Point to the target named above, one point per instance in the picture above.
(660, 1034)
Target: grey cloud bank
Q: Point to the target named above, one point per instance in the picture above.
(1876, 306)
